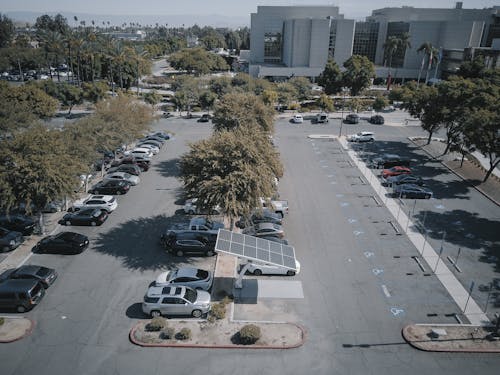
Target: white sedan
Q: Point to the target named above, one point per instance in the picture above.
(268, 269)
(298, 119)
(195, 278)
(155, 150)
(134, 180)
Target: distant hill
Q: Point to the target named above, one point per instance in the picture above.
(172, 20)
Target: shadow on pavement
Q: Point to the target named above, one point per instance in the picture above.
(168, 168)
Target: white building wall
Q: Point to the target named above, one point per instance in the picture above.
(344, 41)
(301, 37)
(319, 39)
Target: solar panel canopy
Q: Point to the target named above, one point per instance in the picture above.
(255, 249)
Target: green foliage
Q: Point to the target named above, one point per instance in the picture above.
(2, 321)
(358, 74)
(218, 310)
(197, 61)
(94, 92)
(152, 97)
(6, 30)
(70, 95)
(187, 93)
(286, 93)
(220, 86)
(269, 97)
(167, 333)
(207, 99)
(380, 103)
(183, 334)
(156, 324)
(325, 103)
(58, 23)
(302, 87)
(237, 109)
(249, 334)
(331, 78)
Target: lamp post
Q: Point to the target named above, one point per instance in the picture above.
(342, 116)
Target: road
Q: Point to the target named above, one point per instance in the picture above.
(360, 284)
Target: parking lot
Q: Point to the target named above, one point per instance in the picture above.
(360, 285)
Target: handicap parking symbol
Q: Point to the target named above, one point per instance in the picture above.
(396, 311)
(369, 254)
(377, 271)
(357, 232)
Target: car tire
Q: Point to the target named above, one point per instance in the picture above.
(155, 314)
(257, 272)
(5, 249)
(20, 309)
(118, 192)
(210, 253)
(428, 196)
(67, 222)
(179, 253)
(290, 273)
(196, 313)
(93, 224)
(403, 196)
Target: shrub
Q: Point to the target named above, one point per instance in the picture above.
(218, 310)
(156, 324)
(2, 321)
(183, 334)
(167, 333)
(249, 334)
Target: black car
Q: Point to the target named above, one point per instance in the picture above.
(412, 191)
(110, 187)
(46, 276)
(18, 223)
(377, 120)
(9, 240)
(404, 179)
(205, 118)
(189, 242)
(63, 243)
(389, 160)
(88, 216)
(265, 216)
(352, 118)
(128, 168)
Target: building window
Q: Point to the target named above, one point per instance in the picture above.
(333, 37)
(272, 47)
(365, 39)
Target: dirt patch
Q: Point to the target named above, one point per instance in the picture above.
(14, 329)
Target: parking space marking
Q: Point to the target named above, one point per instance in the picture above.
(397, 311)
(357, 232)
(440, 206)
(377, 271)
(352, 221)
(386, 291)
(339, 195)
(344, 204)
(369, 254)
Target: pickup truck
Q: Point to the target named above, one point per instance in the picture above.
(191, 208)
(278, 207)
(205, 224)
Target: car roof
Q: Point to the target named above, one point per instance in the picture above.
(156, 291)
(28, 269)
(70, 236)
(365, 133)
(16, 284)
(267, 226)
(187, 272)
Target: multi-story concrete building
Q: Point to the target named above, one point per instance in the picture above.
(297, 40)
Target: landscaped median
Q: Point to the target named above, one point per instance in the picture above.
(14, 328)
(223, 334)
(452, 338)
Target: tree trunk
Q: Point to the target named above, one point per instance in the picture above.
(448, 146)
(490, 171)
(429, 139)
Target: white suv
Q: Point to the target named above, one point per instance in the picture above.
(361, 137)
(176, 300)
(104, 202)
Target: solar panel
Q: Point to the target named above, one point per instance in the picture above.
(255, 249)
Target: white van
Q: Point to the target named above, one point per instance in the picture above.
(321, 118)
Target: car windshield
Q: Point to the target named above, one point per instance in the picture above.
(201, 274)
(172, 275)
(191, 295)
(42, 272)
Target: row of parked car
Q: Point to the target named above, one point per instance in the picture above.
(21, 289)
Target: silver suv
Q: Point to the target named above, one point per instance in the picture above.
(176, 300)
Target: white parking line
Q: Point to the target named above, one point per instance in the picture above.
(386, 291)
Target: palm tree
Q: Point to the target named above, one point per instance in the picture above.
(52, 42)
(404, 43)
(426, 48)
(432, 58)
(390, 47)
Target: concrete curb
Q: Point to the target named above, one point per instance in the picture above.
(412, 139)
(135, 341)
(420, 343)
(24, 334)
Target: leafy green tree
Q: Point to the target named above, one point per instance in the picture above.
(207, 100)
(197, 61)
(380, 103)
(287, 93)
(358, 74)
(213, 41)
(325, 103)
(220, 86)
(94, 92)
(269, 97)
(302, 86)
(390, 47)
(233, 40)
(187, 92)
(331, 78)
(58, 24)
(70, 96)
(232, 169)
(238, 109)
(6, 31)
(152, 97)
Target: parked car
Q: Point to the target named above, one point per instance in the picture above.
(411, 191)
(161, 134)
(395, 171)
(264, 216)
(156, 138)
(175, 300)
(86, 216)
(63, 243)
(145, 153)
(44, 275)
(377, 120)
(128, 168)
(112, 187)
(9, 239)
(103, 202)
(191, 208)
(122, 176)
(388, 161)
(265, 229)
(361, 137)
(351, 118)
(20, 295)
(321, 118)
(195, 278)
(275, 239)
(269, 269)
(154, 149)
(18, 223)
(297, 119)
(189, 242)
(404, 179)
(151, 142)
(205, 224)
(205, 118)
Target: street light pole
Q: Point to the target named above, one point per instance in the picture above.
(342, 117)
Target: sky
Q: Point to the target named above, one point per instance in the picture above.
(238, 8)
